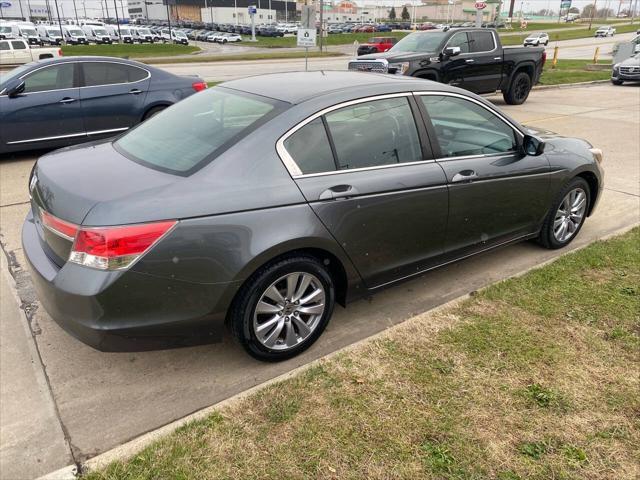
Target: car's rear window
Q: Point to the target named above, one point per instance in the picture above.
(193, 132)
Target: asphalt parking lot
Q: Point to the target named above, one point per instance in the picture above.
(104, 399)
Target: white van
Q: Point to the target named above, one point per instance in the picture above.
(142, 35)
(96, 34)
(74, 35)
(6, 31)
(26, 31)
(50, 34)
(123, 36)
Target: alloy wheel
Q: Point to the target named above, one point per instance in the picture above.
(521, 88)
(289, 311)
(570, 215)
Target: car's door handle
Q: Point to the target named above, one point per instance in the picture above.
(338, 191)
(67, 100)
(497, 58)
(464, 176)
(469, 60)
(135, 91)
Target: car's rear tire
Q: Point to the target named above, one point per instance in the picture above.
(283, 308)
(519, 89)
(617, 82)
(152, 112)
(566, 215)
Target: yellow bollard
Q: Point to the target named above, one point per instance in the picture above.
(596, 55)
(555, 57)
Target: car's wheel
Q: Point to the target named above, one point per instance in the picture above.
(152, 112)
(283, 308)
(617, 82)
(566, 216)
(546, 43)
(518, 90)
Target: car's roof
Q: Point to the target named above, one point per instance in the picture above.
(296, 87)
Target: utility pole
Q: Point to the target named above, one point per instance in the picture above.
(321, 24)
(75, 10)
(21, 12)
(84, 6)
(58, 13)
(169, 20)
(593, 12)
(115, 6)
(106, 7)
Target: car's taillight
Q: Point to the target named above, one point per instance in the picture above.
(199, 86)
(60, 227)
(59, 52)
(114, 248)
(544, 57)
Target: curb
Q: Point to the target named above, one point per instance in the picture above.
(129, 449)
(570, 85)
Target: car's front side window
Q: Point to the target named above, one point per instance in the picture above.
(375, 133)
(464, 128)
(55, 77)
(18, 45)
(460, 40)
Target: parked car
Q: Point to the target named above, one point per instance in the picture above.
(112, 30)
(536, 39)
(471, 58)
(17, 51)
(50, 35)
(176, 227)
(177, 36)
(333, 29)
(224, 37)
(376, 45)
(74, 35)
(383, 28)
(6, 31)
(364, 29)
(269, 31)
(26, 31)
(97, 34)
(626, 71)
(142, 35)
(605, 31)
(59, 102)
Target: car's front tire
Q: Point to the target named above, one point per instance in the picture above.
(283, 308)
(567, 215)
(616, 81)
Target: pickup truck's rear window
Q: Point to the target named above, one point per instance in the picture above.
(196, 130)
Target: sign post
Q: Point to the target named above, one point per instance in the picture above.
(479, 7)
(307, 32)
(252, 13)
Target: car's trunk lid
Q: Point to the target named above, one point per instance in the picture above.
(68, 183)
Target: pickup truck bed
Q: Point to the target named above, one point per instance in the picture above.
(470, 58)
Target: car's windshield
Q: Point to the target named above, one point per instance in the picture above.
(28, 31)
(76, 32)
(124, 31)
(54, 31)
(4, 29)
(179, 34)
(99, 31)
(144, 31)
(196, 129)
(420, 42)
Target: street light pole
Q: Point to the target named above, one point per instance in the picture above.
(115, 6)
(76, 12)
(593, 12)
(58, 13)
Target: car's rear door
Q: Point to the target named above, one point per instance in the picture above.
(496, 193)
(21, 51)
(48, 109)
(483, 72)
(366, 169)
(113, 95)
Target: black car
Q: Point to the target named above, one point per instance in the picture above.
(471, 58)
(261, 203)
(270, 32)
(57, 102)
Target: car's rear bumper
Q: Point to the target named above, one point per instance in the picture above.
(125, 310)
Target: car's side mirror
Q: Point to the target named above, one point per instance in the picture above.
(452, 51)
(532, 146)
(14, 88)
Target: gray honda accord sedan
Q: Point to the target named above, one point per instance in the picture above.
(262, 202)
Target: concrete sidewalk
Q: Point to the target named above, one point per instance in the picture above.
(32, 442)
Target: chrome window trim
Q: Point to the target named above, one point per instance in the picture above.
(80, 62)
(292, 166)
(493, 35)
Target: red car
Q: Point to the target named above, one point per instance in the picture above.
(365, 29)
(377, 45)
(427, 26)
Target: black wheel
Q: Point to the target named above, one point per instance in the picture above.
(153, 111)
(566, 216)
(546, 43)
(283, 308)
(518, 90)
(617, 82)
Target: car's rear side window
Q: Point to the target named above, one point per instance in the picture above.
(108, 73)
(196, 130)
(310, 148)
(481, 42)
(4, 46)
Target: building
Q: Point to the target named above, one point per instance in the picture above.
(217, 11)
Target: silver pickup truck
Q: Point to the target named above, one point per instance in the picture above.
(15, 51)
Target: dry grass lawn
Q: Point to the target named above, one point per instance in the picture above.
(537, 377)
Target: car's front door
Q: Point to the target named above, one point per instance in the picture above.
(483, 71)
(48, 109)
(453, 68)
(496, 193)
(21, 52)
(113, 96)
(371, 180)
